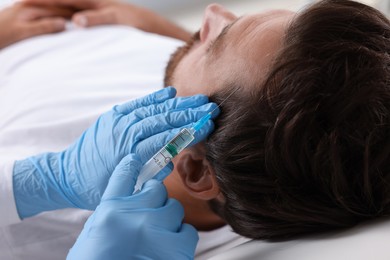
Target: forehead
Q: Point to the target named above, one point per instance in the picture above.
(262, 30)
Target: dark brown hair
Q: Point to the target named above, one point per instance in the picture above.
(309, 149)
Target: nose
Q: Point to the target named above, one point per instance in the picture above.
(216, 17)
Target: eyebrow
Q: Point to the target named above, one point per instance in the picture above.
(215, 46)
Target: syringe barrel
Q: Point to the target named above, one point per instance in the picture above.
(164, 156)
(148, 171)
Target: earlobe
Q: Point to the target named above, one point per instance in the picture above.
(197, 175)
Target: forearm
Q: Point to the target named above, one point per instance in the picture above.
(21, 21)
(160, 25)
(37, 187)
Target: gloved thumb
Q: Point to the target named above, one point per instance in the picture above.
(94, 17)
(122, 181)
(153, 195)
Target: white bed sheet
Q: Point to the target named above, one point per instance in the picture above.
(368, 241)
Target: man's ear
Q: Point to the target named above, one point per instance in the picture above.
(197, 174)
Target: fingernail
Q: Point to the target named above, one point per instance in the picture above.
(81, 21)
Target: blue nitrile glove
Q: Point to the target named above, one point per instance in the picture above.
(77, 176)
(146, 225)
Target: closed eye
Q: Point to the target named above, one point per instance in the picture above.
(219, 37)
(214, 43)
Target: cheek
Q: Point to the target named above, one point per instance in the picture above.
(189, 77)
(200, 74)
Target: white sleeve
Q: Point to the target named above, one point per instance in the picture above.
(8, 212)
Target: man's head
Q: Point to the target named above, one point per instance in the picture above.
(217, 54)
(304, 145)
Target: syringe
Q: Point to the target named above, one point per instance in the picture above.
(172, 148)
(168, 152)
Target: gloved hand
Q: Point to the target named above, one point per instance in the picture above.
(77, 176)
(146, 225)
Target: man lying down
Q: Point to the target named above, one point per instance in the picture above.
(301, 147)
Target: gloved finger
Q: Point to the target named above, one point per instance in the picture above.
(148, 147)
(196, 104)
(189, 238)
(175, 119)
(189, 232)
(124, 177)
(91, 18)
(170, 105)
(164, 172)
(170, 216)
(185, 240)
(202, 133)
(156, 97)
(43, 26)
(153, 195)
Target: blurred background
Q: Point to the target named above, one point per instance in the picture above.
(189, 13)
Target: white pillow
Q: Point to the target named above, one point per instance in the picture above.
(368, 241)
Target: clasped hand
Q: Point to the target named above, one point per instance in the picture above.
(21, 21)
(30, 18)
(89, 13)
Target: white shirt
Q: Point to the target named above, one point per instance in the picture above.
(51, 89)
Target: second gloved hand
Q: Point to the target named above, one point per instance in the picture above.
(77, 176)
(147, 225)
